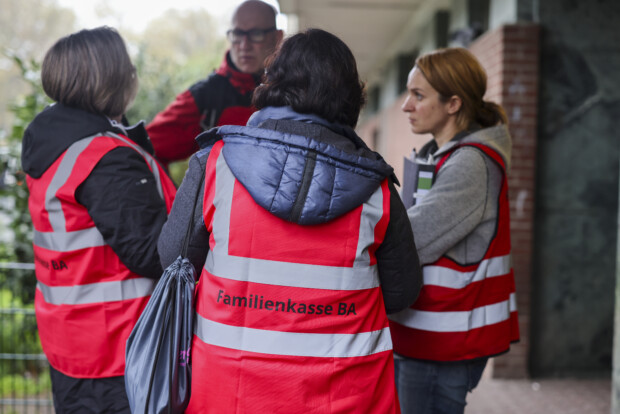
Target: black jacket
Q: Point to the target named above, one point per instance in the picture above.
(120, 194)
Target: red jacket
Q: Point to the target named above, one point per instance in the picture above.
(464, 311)
(290, 318)
(224, 98)
(87, 301)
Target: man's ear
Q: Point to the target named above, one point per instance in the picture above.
(279, 36)
(454, 104)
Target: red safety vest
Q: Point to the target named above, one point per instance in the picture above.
(289, 318)
(86, 301)
(464, 311)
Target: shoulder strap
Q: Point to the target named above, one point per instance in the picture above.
(486, 150)
(191, 218)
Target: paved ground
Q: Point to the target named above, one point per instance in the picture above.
(548, 396)
(495, 396)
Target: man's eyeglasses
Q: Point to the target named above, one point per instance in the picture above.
(254, 35)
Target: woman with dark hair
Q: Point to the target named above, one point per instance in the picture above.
(303, 243)
(98, 200)
(466, 311)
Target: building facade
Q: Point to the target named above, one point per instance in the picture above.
(555, 67)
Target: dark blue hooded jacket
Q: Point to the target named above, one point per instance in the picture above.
(305, 170)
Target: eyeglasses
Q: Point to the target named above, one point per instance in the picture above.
(253, 35)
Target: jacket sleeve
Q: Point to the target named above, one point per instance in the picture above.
(174, 230)
(173, 130)
(453, 207)
(121, 197)
(397, 260)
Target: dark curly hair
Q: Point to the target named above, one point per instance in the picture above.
(313, 72)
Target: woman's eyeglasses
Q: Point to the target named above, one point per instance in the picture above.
(253, 35)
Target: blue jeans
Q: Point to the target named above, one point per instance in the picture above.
(427, 387)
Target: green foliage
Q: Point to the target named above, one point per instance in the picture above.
(177, 171)
(20, 377)
(173, 52)
(31, 26)
(25, 385)
(13, 188)
(158, 86)
(18, 334)
(160, 81)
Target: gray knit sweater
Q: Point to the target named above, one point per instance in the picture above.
(458, 216)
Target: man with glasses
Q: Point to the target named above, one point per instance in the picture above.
(223, 98)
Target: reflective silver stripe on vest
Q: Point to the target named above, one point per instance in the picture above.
(372, 211)
(457, 321)
(65, 242)
(97, 292)
(148, 157)
(60, 240)
(320, 345)
(53, 204)
(220, 264)
(291, 274)
(450, 278)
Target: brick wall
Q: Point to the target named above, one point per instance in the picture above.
(510, 55)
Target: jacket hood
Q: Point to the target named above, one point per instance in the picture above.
(302, 179)
(496, 138)
(58, 126)
(52, 131)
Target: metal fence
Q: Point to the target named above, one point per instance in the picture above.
(25, 386)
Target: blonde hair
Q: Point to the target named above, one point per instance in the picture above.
(91, 70)
(456, 71)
